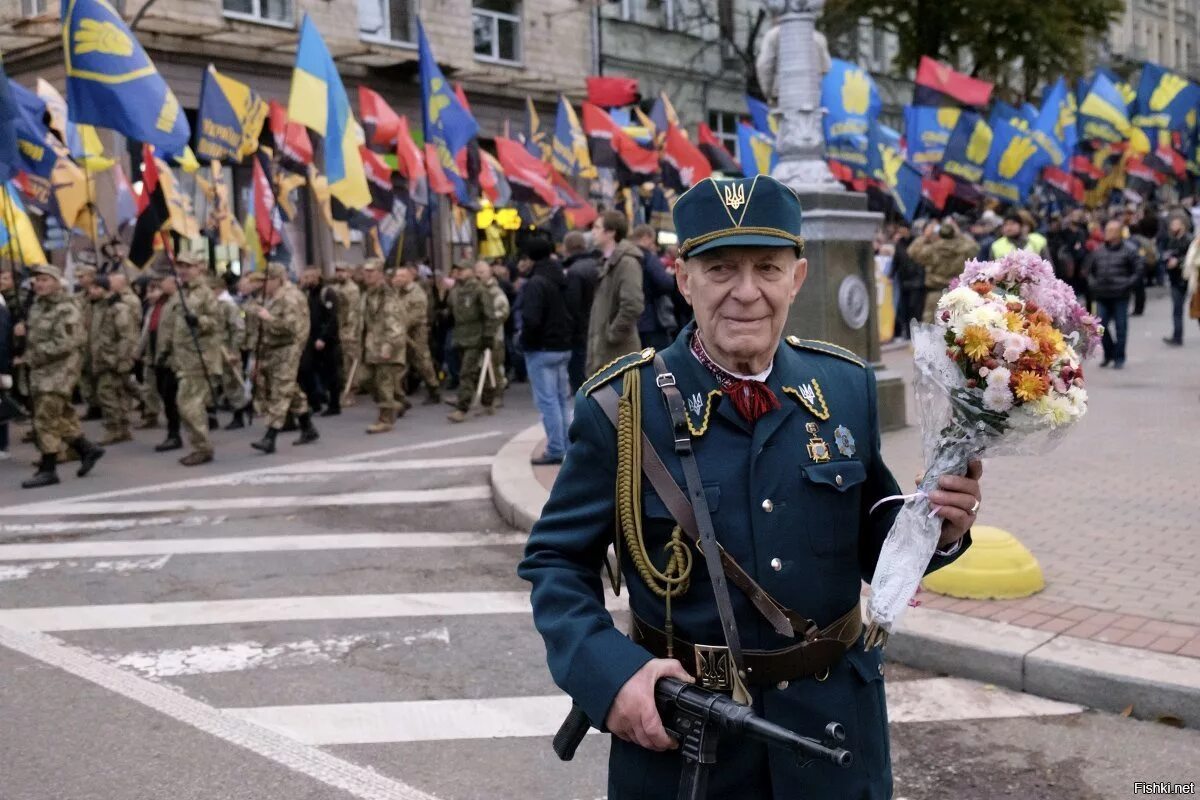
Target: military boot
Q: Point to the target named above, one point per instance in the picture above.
(457, 415)
(307, 432)
(116, 437)
(214, 424)
(172, 442)
(196, 458)
(92, 414)
(46, 475)
(433, 396)
(89, 454)
(385, 423)
(238, 422)
(148, 423)
(267, 443)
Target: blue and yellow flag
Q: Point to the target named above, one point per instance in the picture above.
(760, 116)
(318, 101)
(448, 125)
(229, 120)
(968, 148)
(1103, 116)
(1013, 163)
(18, 239)
(1164, 99)
(35, 144)
(890, 167)
(535, 142)
(756, 151)
(850, 99)
(1055, 130)
(1021, 118)
(928, 129)
(9, 158)
(569, 154)
(111, 82)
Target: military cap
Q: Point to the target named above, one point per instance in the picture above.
(47, 269)
(188, 260)
(277, 271)
(745, 212)
(84, 258)
(256, 277)
(341, 265)
(103, 282)
(373, 264)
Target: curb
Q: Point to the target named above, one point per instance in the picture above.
(1088, 673)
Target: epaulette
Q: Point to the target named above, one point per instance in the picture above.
(828, 348)
(614, 368)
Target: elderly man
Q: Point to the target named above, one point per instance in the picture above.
(777, 443)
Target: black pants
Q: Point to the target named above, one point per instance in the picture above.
(168, 384)
(327, 364)
(1139, 297)
(912, 306)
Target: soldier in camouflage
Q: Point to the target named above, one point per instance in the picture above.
(151, 400)
(416, 314)
(385, 338)
(85, 275)
(475, 329)
(233, 330)
(55, 343)
(252, 339)
(349, 315)
(283, 325)
(195, 354)
(487, 278)
(112, 345)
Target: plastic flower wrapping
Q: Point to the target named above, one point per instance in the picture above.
(1000, 373)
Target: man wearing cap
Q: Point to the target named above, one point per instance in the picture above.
(385, 339)
(765, 446)
(85, 275)
(474, 333)
(55, 344)
(416, 315)
(941, 251)
(195, 355)
(112, 345)
(349, 319)
(252, 341)
(283, 326)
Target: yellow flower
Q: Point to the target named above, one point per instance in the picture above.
(1028, 386)
(977, 342)
(1014, 321)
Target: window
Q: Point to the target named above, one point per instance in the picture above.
(497, 27)
(724, 126)
(34, 8)
(656, 13)
(278, 12)
(388, 20)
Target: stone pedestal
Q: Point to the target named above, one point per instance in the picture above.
(838, 301)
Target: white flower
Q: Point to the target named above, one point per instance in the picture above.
(959, 301)
(1055, 410)
(997, 396)
(987, 315)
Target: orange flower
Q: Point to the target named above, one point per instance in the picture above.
(1028, 386)
(977, 342)
(982, 287)
(1050, 341)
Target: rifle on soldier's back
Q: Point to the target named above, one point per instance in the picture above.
(191, 326)
(697, 717)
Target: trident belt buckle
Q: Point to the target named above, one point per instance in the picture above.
(714, 668)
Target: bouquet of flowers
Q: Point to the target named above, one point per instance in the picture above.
(1000, 372)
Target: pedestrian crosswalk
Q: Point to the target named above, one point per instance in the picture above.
(381, 612)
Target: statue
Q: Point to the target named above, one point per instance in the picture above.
(793, 58)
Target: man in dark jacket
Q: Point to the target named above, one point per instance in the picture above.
(911, 277)
(1171, 253)
(656, 325)
(1112, 271)
(582, 266)
(322, 359)
(546, 331)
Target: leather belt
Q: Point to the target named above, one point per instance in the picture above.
(712, 666)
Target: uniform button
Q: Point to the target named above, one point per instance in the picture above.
(781, 685)
(768, 506)
(838, 480)
(881, 669)
(776, 564)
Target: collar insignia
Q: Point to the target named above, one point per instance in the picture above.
(811, 396)
(696, 404)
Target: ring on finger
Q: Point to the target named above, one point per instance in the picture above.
(975, 508)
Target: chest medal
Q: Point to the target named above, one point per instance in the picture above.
(844, 441)
(818, 450)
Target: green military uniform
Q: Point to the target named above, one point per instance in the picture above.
(195, 369)
(55, 345)
(385, 341)
(474, 332)
(112, 344)
(502, 310)
(232, 333)
(252, 341)
(284, 336)
(943, 259)
(790, 488)
(350, 333)
(418, 357)
(87, 380)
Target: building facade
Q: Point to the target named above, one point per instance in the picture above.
(1166, 32)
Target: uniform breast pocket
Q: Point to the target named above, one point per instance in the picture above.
(831, 505)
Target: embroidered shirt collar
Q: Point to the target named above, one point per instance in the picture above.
(724, 377)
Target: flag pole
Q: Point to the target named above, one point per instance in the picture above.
(93, 210)
(166, 242)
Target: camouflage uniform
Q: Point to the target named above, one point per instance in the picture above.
(87, 376)
(943, 260)
(233, 330)
(350, 324)
(502, 309)
(416, 315)
(384, 344)
(112, 345)
(283, 340)
(475, 329)
(55, 345)
(194, 396)
(252, 342)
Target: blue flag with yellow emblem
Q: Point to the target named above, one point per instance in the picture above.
(1055, 129)
(756, 151)
(1013, 163)
(8, 129)
(448, 126)
(1103, 114)
(928, 129)
(569, 149)
(35, 147)
(968, 148)
(850, 99)
(112, 83)
(1164, 99)
(229, 120)
(901, 178)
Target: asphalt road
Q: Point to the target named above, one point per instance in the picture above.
(343, 620)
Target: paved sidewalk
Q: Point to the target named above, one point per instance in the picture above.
(1111, 515)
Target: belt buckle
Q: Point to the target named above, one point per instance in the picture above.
(665, 379)
(714, 667)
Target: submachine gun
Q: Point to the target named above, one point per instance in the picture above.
(697, 718)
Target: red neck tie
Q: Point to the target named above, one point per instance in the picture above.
(750, 398)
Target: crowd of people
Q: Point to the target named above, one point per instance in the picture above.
(1108, 257)
(178, 346)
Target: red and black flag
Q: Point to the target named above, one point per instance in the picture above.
(614, 148)
(379, 182)
(291, 139)
(1141, 178)
(1066, 187)
(683, 164)
(528, 176)
(939, 85)
(718, 157)
(1088, 173)
(938, 190)
(153, 212)
(380, 123)
(612, 92)
(578, 212)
